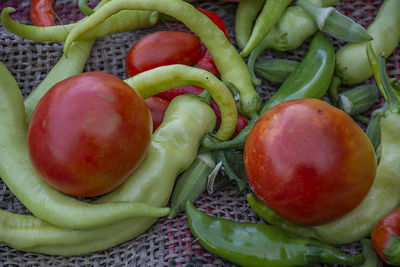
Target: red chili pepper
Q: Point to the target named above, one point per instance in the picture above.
(205, 61)
(216, 19)
(385, 238)
(172, 93)
(157, 107)
(42, 13)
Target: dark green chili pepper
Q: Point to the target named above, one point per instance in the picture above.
(250, 244)
(311, 79)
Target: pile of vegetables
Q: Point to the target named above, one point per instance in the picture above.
(189, 119)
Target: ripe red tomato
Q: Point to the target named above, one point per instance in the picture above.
(162, 48)
(157, 107)
(88, 133)
(309, 161)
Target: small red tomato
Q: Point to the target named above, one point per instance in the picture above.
(89, 133)
(157, 107)
(385, 237)
(162, 48)
(309, 161)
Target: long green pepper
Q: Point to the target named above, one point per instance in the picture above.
(269, 16)
(249, 244)
(246, 13)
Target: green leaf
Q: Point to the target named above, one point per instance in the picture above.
(233, 165)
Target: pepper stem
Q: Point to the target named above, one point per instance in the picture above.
(238, 142)
(324, 253)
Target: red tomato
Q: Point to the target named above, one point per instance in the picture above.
(308, 161)
(157, 107)
(162, 48)
(386, 234)
(88, 133)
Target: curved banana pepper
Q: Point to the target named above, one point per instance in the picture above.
(228, 61)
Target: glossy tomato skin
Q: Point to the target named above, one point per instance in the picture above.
(308, 161)
(88, 133)
(162, 48)
(157, 107)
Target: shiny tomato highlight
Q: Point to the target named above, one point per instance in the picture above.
(89, 133)
(162, 48)
(309, 161)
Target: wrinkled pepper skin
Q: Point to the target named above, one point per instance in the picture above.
(249, 244)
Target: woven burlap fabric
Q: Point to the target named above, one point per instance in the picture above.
(167, 242)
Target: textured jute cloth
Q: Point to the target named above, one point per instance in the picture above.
(167, 242)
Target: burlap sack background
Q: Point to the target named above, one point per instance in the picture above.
(168, 242)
